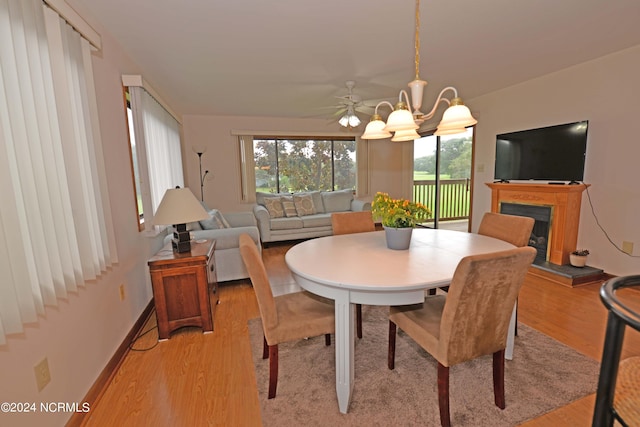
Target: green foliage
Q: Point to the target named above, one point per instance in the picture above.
(304, 165)
(398, 213)
(455, 159)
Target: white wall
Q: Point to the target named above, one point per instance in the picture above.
(605, 92)
(80, 335)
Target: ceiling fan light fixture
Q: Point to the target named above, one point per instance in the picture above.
(349, 120)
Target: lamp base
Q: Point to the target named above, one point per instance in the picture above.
(181, 247)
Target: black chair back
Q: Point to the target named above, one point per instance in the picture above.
(620, 316)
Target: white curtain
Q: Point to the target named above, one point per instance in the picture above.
(158, 148)
(55, 220)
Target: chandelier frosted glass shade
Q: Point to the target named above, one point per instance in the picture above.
(455, 119)
(400, 119)
(375, 129)
(405, 135)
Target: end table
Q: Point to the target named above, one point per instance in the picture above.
(183, 286)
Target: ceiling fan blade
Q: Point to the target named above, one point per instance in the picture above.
(365, 109)
(339, 112)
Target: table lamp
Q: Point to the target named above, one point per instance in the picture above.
(178, 207)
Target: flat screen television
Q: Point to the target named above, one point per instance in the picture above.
(554, 153)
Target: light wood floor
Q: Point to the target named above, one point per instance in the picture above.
(196, 379)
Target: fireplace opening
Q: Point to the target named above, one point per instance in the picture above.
(541, 228)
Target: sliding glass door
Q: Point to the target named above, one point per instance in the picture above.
(442, 178)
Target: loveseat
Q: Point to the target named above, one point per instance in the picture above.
(226, 230)
(292, 216)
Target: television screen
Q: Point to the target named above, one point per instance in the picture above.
(554, 153)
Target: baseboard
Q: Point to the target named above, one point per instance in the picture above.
(104, 379)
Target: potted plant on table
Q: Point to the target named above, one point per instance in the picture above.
(578, 258)
(398, 217)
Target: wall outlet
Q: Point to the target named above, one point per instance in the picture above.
(43, 376)
(627, 247)
(121, 289)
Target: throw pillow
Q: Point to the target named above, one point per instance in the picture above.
(289, 207)
(274, 207)
(304, 204)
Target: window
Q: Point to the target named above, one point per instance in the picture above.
(133, 155)
(155, 134)
(288, 164)
(56, 231)
(442, 177)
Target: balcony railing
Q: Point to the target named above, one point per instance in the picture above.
(454, 197)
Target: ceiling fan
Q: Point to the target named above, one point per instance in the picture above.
(351, 104)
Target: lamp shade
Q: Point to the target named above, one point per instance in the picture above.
(455, 118)
(400, 119)
(179, 206)
(405, 135)
(375, 129)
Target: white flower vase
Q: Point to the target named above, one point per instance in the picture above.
(398, 238)
(578, 260)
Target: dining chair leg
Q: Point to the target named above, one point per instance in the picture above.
(391, 356)
(498, 378)
(265, 349)
(273, 370)
(443, 395)
(359, 320)
(327, 339)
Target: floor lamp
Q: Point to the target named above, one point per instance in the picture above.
(200, 152)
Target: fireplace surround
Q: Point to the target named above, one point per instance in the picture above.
(563, 203)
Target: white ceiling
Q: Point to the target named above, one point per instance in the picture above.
(291, 58)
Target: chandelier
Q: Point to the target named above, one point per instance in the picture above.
(403, 121)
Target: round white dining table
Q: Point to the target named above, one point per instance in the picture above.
(360, 269)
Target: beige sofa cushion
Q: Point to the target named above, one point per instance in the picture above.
(337, 201)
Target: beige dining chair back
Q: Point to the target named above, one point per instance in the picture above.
(470, 321)
(352, 222)
(287, 317)
(349, 223)
(514, 229)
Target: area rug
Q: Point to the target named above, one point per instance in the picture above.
(543, 375)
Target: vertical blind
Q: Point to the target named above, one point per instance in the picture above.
(56, 231)
(158, 149)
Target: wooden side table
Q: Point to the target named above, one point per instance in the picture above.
(183, 286)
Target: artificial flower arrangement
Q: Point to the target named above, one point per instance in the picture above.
(398, 213)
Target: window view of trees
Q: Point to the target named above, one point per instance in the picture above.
(455, 158)
(288, 165)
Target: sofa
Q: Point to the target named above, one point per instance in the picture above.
(292, 216)
(225, 230)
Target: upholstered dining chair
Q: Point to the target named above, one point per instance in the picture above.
(287, 317)
(349, 223)
(514, 229)
(468, 322)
